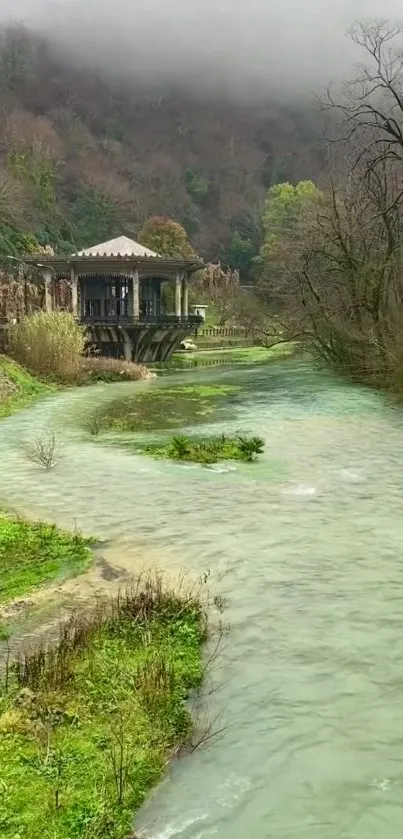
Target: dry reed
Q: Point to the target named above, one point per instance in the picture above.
(48, 343)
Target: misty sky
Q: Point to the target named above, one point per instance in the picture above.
(228, 44)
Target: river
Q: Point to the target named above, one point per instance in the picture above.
(306, 545)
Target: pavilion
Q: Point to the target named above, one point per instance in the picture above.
(116, 292)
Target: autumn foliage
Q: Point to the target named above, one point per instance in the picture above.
(167, 238)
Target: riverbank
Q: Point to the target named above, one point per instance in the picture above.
(20, 388)
(87, 727)
(90, 718)
(231, 355)
(33, 554)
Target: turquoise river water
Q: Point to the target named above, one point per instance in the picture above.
(306, 545)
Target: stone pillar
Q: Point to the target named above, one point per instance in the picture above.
(178, 295)
(74, 292)
(136, 294)
(185, 297)
(130, 295)
(83, 295)
(154, 293)
(127, 347)
(47, 279)
(158, 297)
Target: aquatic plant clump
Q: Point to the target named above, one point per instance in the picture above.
(87, 726)
(209, 450)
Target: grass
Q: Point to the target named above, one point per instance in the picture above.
(207, 451)
(18, 389)
(87, 727)
(34, 554)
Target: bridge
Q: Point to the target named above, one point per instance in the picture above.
(117, 293)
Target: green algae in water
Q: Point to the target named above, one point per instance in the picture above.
(164, 408)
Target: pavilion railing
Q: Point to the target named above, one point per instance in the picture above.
(193, 321)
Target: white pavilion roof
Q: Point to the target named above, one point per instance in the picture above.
(122, 246)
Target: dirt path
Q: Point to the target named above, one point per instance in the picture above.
(39, 614)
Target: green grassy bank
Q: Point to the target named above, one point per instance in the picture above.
(18, 389)
(32, 554)
(87, 727)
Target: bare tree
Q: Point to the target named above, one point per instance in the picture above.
(342, 284)
(221, 289)
(339, 271)
(371, 105)
(43, 450)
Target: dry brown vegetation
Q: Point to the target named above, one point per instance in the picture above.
(48, 343)
(99, 368)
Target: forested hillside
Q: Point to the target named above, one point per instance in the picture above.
(83, 158)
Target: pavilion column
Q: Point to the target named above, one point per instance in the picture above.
(136, 294)
(74, 292)
(83, 295)
(158, 298)
(185, 297)
(178, 295)
(47, 279)
(155, 291)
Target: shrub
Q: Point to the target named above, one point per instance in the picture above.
(49, 343)
(179, 448)
(43, 450)
(94, 423)
(250, 447)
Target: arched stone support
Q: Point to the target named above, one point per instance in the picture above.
(142, 343)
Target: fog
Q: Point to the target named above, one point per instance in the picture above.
(224, 45)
